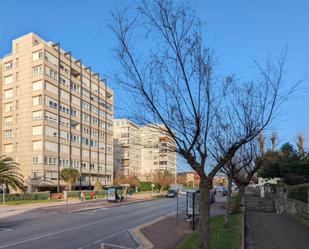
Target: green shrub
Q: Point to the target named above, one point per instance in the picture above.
(299, 192)
(26, 196)
(76, 194)
(145, 186)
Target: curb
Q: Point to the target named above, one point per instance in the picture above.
(140, 238)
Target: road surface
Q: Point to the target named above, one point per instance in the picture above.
(49, 230)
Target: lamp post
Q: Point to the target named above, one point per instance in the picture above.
(3, 193)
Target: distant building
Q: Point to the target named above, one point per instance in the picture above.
(190, 178)
(142, 150)
(127, 148)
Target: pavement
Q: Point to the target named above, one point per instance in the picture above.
(170, 231)
(267, 230)
(55, 228)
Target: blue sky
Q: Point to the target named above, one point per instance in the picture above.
(238, 32)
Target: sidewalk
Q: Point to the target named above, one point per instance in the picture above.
(268, 230)
(168, 234)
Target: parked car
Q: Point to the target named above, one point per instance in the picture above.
(183, 191)
(224, 191)
(171, 193)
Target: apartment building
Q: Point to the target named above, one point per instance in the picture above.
(142, 150)
(56, 113)
(127, 148)
(158, 151)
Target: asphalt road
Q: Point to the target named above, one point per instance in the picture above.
(45, 229)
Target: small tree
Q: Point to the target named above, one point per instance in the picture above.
(9, 173)
(98, 186)
(163, 178)
(70, 176)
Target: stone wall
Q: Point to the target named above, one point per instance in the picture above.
(286, 205)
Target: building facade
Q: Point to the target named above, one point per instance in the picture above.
(142, 150)
(127, 148)
(56, 113)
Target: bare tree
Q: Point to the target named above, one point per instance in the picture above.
(301, 145)
(245, 164)
(173, 84)
(162, 177)
(274, 141)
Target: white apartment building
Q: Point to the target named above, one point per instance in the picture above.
(142, 150)
(55, 113)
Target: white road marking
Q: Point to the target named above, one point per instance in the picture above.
(2, 229)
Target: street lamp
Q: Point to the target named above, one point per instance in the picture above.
(3, 193)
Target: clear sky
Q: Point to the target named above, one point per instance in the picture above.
(238, 31)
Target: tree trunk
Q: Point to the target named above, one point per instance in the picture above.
(228, 200)
(241, 191)
(204, 217)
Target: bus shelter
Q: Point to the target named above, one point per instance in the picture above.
(116, 193)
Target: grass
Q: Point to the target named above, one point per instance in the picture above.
(21, 202)
(221, 238)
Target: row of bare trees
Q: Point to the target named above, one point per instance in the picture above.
(170, 74)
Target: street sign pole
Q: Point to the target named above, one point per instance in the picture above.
(177, 209)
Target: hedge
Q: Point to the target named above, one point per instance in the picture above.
(146, 186)
(76, 194)
(26, 196)
(299, 192)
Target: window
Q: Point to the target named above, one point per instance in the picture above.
(51, 175)
(8, 107)
(74, 138)
(8, 121)
(51, 88)
(35, 175)
(51, 73)
(8, 93)
(37, 130)
(75, 87)
(37, 145)
(64, 81)
(64, 122)
(51, 146)
(51, 58)
(64, 68)
(37, 100)
(37, 70)
(85, 117)
(8, 65)
(37, 55)
(50, 131)
(8, 148)
(8, 79)
(37, 85)
(49, 160)
(64, 108)
(37, 115)
(85, 105)
(51, 102)
(51, 117)
(8, 134)
(36, 160)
